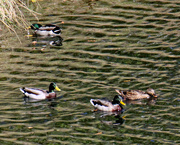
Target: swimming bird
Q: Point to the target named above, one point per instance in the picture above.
(136, 94)
(40, 94)
(47, 30)
(104, 105)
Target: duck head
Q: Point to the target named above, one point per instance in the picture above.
(53, 86)
(35, 26)
(118, 100)
(151, 92)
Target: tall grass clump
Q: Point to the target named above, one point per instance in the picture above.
(11, 14)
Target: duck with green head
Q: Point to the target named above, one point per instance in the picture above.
(39, 94)
(47, 30)
(104, 105)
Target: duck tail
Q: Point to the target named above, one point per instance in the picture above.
(22, 90)
(57, 30)
(91, 101)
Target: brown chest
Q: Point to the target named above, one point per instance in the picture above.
(51, 95)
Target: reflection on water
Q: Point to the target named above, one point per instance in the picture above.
(151, 101)
(115, 44)
(53, 41)
(46, 41)
(110, 118)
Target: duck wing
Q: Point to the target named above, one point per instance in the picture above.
(100, 102)
(132, 94)
(135, 94)
(48, 27)
(102, 105)
(34, 93)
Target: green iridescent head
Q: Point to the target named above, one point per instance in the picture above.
(35, 26)
(118, 100)
(53, 86)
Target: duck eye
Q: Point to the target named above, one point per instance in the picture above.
(54, 85)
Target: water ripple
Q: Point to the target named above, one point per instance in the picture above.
(107, 45)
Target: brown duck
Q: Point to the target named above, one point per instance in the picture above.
(136, 94)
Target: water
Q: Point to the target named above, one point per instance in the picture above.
(107, 45)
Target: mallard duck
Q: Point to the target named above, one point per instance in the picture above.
(47, 30)
(136, 94)
(40, 94)
(104, 105)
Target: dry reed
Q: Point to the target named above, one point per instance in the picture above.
(11, 14)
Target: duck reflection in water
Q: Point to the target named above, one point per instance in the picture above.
(150, 101)
(46, 41)
(119, 120)
(51, 103)
(110, 118)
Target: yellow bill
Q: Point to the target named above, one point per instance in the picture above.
(57, 88)
(123, 103)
